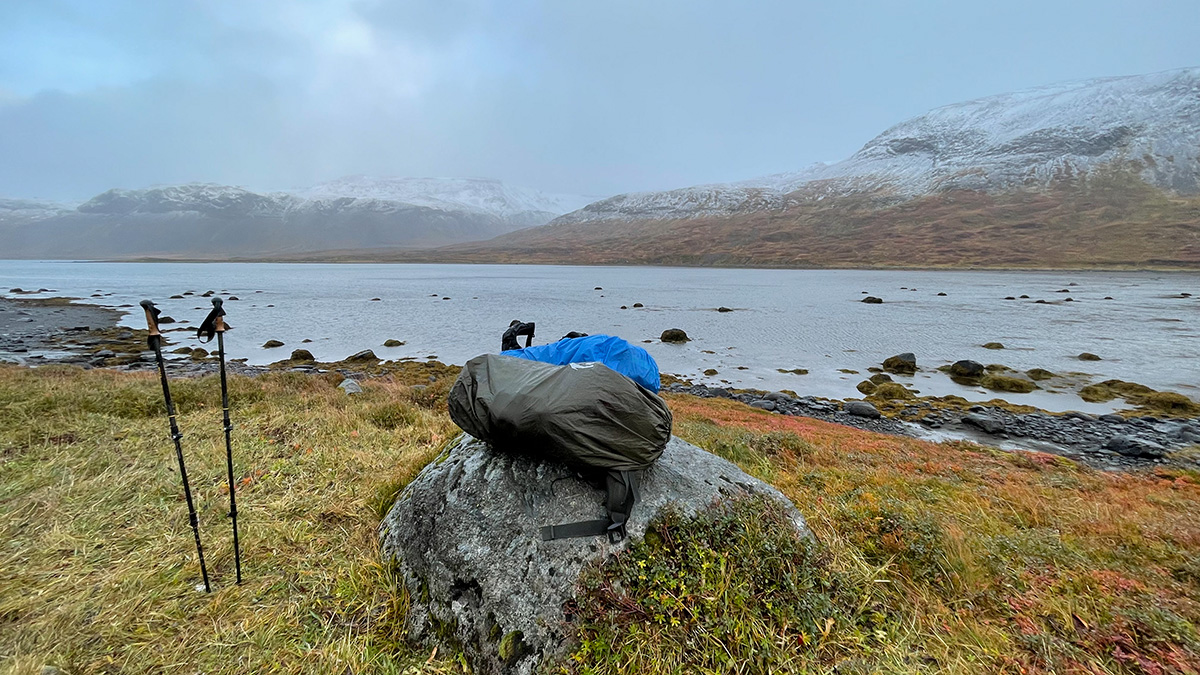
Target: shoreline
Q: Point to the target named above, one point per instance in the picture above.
(333, 260)
(56, 331)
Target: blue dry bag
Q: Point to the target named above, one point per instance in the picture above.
(629, 360)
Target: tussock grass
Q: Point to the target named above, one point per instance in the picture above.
(97, 565)
(942, 558)
(949, 558)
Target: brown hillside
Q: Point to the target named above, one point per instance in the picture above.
(1112, 221)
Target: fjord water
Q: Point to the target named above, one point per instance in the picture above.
(782, 319)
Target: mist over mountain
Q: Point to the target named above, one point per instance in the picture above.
(1099, 172)
(215, 221)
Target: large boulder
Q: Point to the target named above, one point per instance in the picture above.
(466, 536)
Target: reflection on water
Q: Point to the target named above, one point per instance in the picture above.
(782, 319)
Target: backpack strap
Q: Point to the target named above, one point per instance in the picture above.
(623, 489)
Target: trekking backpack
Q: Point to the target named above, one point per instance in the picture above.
(585, 415)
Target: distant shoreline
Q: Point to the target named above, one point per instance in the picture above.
(904, 268)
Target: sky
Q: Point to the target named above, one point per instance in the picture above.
(583, 97)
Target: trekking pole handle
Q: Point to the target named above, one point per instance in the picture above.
(151, 317)
(219, 320)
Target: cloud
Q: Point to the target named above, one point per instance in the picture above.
(566, 96)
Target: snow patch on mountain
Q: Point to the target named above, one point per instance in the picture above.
(478, 195)
(1150, 123)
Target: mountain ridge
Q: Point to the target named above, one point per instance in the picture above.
(214, 220)
(1111, 165)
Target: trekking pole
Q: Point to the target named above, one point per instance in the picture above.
(155, 341)
(215, 323)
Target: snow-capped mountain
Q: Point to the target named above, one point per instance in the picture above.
(1149, 124)
(481, 195)
(202, 219)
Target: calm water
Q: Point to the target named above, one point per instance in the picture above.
(809, 319)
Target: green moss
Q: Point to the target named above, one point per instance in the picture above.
(1007, 383)
(866, 387)
(710, 372)
(494, 631)
(1110, 389)
(894, 364)
(1039, 374)
(892, 391)
(1168, 403)
(793, 371)
(993, 345)
(847, 371)
(513, 647)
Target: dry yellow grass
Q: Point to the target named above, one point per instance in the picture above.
(97, 565)
(947, 558)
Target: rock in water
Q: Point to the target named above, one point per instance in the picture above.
(967, 368)
(872, 300)
(902, 364)
(674, 335)
(364, 355)
(466, 536)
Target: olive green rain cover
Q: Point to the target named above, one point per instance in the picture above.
(584, 414)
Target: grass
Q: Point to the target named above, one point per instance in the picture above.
(98, 566)
(946, 558)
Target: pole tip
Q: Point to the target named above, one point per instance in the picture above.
(217, 302)
(147, 304)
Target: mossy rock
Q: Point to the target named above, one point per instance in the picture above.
(302, 355)
(1110, 389)
(199, 353)
(1007, 383)
(710, 372)
(1088, 356)
(1039, 374)
(880, 378)
(993, 345)
(513, 647)
(866, 387)
(998, 368)
(1169, 403)
(793, 371)
(182, 350)
(393, 343)
(892, 391)
(271, 344)
(901, 364)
